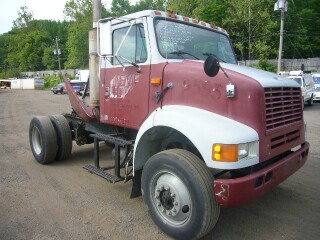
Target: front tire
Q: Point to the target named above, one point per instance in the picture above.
(310, 102)
(178, 189)
(43, 139)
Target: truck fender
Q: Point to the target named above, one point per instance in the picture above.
(201, 127)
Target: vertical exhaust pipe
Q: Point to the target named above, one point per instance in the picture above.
(93, 57)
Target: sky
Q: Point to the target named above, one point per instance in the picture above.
(42, 9)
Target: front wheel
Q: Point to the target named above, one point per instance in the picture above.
(178, 189)
(310, 102)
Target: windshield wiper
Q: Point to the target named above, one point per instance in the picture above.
(209, 54)
(180, 53)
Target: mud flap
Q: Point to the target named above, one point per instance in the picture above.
(136, 186)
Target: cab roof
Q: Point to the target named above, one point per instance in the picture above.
(172, 15)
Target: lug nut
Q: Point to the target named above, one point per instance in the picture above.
(173, 195)
(174, 210)
(175, 203)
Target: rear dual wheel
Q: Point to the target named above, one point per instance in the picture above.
(43, 139)
(64, 136)
(178, 189)
(50, 138)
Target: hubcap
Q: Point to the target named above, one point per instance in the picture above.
(171, 198)
(36, 140)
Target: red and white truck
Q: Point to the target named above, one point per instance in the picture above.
(191, 128)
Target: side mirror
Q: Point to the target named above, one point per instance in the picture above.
(104, 37)
(211, 66)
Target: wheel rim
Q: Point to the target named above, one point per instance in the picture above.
(36, 140)
(171, 198)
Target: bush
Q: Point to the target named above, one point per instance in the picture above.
(51, 81)
(265, 65)
(71, 77)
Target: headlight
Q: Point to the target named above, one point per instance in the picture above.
(234, 152)
(243, 150)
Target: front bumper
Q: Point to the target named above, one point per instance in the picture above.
(238, 191)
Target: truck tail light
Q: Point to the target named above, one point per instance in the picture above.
(225, 152)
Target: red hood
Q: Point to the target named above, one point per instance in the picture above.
(194, 88)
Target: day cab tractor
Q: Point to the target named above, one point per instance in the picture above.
(193, 130)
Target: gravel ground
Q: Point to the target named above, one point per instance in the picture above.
(64, 201)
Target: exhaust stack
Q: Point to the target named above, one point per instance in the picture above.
(93, 56)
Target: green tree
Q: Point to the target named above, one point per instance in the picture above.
(149, 5)
(210, 11)
(53, 29)
(251, 26)
(120, 7)
(79, 12)
(302, 35)
(27, 52)
(185, 8)
(24, 18)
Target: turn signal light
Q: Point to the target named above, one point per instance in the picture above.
(155, 81)
(225, 152)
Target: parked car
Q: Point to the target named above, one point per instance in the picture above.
(77, 86)
(60, 88)
(316, 79)
(306, 83)
(84, 89)
(316, 95)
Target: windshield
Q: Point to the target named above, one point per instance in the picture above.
(298, 80)
(177, 40)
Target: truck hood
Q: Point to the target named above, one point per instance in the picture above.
(266, 79)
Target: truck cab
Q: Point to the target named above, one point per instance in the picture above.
(199, 132)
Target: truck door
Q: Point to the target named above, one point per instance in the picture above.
(125, 79)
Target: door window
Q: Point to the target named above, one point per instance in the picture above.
(133, 47)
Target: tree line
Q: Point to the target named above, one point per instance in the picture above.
(253, 26)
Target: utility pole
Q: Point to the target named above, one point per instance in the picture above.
(249, 30)
(281, 5)
(57, 52)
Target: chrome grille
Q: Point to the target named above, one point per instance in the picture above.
(283, 106)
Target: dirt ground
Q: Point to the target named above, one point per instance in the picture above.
(64, 201)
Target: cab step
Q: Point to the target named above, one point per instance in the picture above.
(100, 172)
(119, 142)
